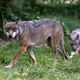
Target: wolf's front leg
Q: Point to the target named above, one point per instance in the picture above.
(32, 55)
(14, 61)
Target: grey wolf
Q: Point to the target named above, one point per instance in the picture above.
(36, 32)
(75, 42)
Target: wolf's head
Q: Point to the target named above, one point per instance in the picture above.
(11, 29)
(75, 40)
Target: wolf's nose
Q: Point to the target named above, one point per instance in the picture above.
(74, 49)
(10, 36)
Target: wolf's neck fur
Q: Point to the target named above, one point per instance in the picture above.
(20, 30)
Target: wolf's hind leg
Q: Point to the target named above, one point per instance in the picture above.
(63, 49)
(54, 45)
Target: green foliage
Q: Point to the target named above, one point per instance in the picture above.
(32, 12)
(29, 10)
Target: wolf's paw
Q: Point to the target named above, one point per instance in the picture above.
(70, 56)
(8, 66)
(56, 61)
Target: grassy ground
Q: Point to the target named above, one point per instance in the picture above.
(45, 69)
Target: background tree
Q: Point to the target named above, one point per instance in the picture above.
(31, 9)
(4, 5)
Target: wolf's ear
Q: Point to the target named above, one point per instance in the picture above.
(69, 37)
(77, 37)
(4, 22)
(17, 21)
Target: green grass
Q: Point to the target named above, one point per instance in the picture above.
(45, 69)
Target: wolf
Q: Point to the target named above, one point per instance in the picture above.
(36, 32)
(75, 41)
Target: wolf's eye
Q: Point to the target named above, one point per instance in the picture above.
(7, 29)
(73, 44)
